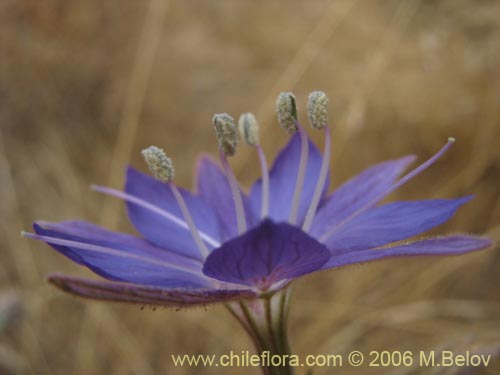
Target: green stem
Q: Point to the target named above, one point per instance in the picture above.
(265, 320)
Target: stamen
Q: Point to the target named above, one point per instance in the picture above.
(162, 168)
(264, 210)
(249, 130)
(398, 184)
(323, 172)
(227, 136)
(226, 133)
(235, 191)
(189, 220)
(148, 206)
(159, 163)
(299, 183)
(286, 109)
(317, 109)
(317, 112)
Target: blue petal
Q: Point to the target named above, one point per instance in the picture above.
(158, 229)
(266, 255)
(212, 186)
(119, 257)
(91, 233)
(282, 178)
(391, 222)
(144, 294)
(448, 245)
(356, 193)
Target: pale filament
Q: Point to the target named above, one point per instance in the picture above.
(265, 182)
(299, 183)
(236, 193)
(320, 184)
(189, 220)
(148, 206)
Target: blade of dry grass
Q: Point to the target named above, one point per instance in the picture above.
(24, 262)
(354, 117)
(98, 316)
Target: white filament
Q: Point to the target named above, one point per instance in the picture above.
(148, 206)
(189, 220)
(236, 193)
(320, 184)
(265, 182)
(299, 183)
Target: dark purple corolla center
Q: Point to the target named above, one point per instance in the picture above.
(266, 255)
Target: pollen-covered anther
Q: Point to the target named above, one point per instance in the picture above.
(159, 163)
(249, 129)
(317, 109)
(287, 111)
(226, 133)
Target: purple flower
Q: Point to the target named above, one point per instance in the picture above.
(219, 244)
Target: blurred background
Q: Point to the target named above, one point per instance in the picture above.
(85, 85)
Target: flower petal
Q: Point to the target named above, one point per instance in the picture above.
(391, 222)
(158, 229)
(446, 245)
(265, 255)
(282, 179)
(91, 233)
(212, 186)
(114, 259)
(357, 192)
(145, 294)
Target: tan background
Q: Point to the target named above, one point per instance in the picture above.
(86, 84)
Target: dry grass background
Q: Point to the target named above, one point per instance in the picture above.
(85, 85)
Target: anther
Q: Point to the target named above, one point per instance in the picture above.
(287, 111)
(317, 109)
(249, 129)
(226, 133)
(159, 163)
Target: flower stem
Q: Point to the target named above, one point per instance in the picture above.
(264, 319)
